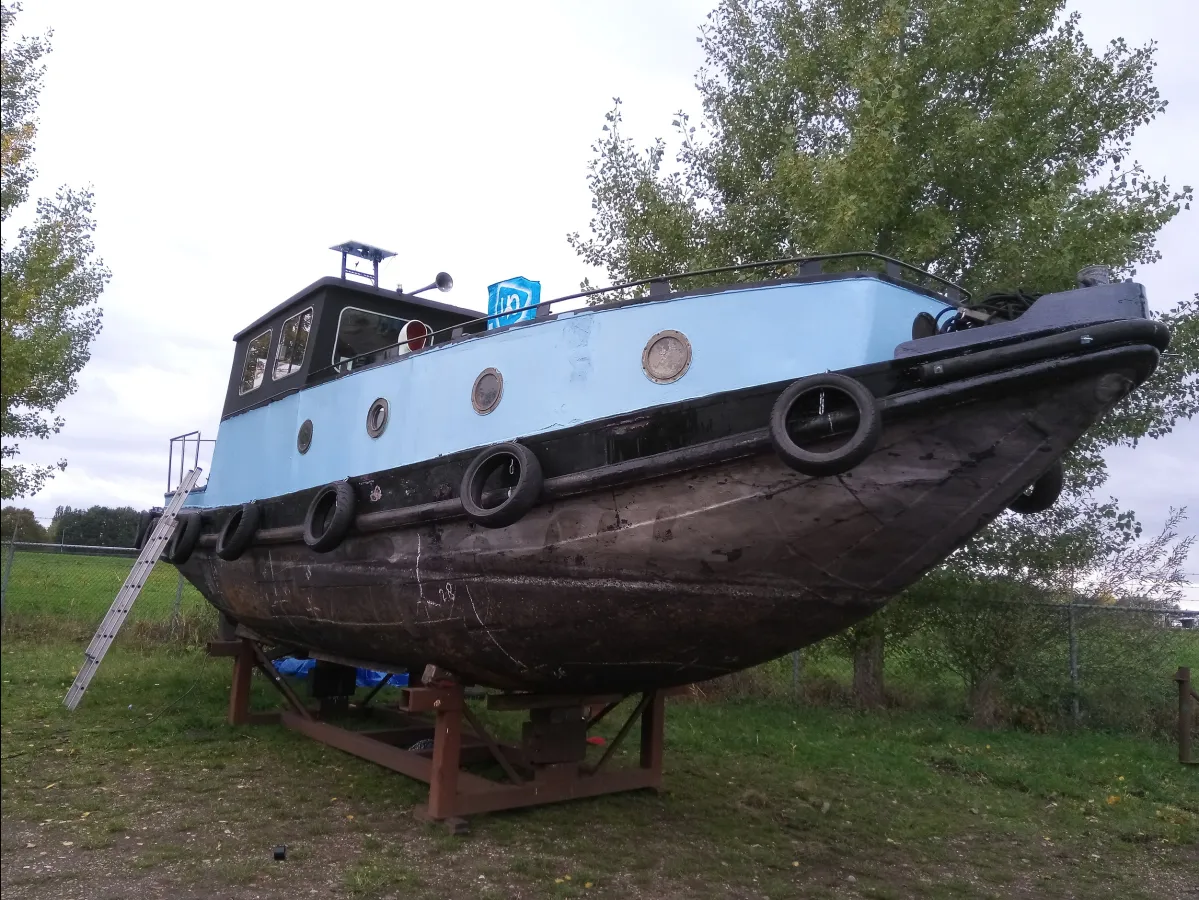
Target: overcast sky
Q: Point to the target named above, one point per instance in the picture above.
(230, 143)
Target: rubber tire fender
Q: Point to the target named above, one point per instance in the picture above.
(341, 494)
(145, 526)
(1044, 491)
(521, 497)
(841, 459)
(238, 533)
(184, 539)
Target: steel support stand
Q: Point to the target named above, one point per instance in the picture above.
(548, 766)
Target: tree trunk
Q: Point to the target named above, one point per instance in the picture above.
(986, 700)
(868, 671)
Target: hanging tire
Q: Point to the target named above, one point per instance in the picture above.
(839, 459)
(238, 533)
(184, 539)
(329, 517)
(521, 496)
(145, 527)
(1042, 493)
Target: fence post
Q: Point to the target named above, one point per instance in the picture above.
(1186, 714)
(1074, 709)
(12, 546)
(178, 607)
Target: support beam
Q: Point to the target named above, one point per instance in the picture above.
(439, 711)
(447, 749)
(239, 692)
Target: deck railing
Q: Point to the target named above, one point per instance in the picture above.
(662, 285)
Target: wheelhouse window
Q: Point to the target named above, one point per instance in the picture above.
(293, 343)
(255, 367)
(360, 331)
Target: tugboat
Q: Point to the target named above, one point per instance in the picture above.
(670, 486)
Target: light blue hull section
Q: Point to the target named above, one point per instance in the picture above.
(577, 368)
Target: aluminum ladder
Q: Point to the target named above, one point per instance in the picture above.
(163, 528)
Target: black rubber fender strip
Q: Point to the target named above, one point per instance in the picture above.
(1142, 358)
(1078, 340)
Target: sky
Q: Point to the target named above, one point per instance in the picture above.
(229, 144)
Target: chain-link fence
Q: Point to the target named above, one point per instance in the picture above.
(52, 588)
(1027, 662)
(1030, 663)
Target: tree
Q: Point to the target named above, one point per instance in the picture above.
(983, 141)
(991, 615)
(50, 280)
(979, 139)
(1171, 395)
(97, 526)
(23, 523)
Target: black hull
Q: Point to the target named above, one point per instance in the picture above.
(677, 565)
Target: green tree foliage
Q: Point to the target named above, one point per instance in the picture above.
(980, 139)
(97, 526)
(23, 523)
(1171, 395)
(50, 280)
(1000, 620)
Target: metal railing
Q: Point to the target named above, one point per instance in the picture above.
(183, 440)
(660, 286)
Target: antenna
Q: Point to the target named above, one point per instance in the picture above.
(362, 251)
(443, 282)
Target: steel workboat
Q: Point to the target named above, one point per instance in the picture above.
(656, 490)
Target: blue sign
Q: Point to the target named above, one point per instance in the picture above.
(511, 301)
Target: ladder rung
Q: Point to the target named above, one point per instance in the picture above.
(128, 594)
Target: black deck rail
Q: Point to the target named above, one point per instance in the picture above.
(661, 287)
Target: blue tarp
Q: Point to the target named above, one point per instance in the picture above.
(299, 668)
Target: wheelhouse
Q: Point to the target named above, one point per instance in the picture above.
(326, 329)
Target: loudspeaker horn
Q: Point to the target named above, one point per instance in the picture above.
(443, 282)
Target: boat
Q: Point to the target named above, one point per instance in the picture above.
(684, 477)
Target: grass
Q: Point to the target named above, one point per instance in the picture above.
(147, 785)
(81, 588)
(144, 791)
(64, 597)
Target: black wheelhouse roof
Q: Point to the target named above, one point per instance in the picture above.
(327, 297)
(361, 288)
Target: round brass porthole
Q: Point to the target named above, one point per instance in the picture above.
(304, 438)
(666, 357)
(376, 418)
(487, 390)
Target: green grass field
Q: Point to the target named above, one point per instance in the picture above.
(144, 791)
(81, 588)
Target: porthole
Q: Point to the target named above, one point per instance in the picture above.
(304, 438)
(486, 393)
(376, 418)
(666, 357)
